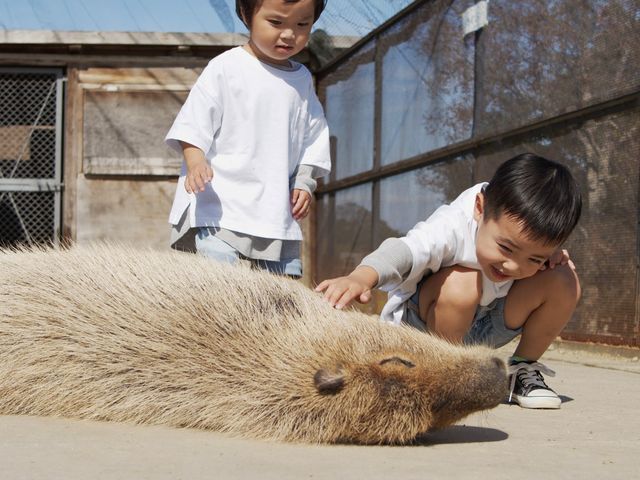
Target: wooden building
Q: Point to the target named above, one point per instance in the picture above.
(113, 98)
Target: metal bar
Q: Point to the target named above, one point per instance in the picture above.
(29, 185)
(467, 145)
(636, 333)
(57, 201)
(31, 70)
(606, 339)
(377, 141)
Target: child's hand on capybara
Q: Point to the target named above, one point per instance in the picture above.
(341, 291)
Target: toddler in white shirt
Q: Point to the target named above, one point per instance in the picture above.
(254, 138)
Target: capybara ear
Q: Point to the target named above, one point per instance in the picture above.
(397, 361)
(329, 382)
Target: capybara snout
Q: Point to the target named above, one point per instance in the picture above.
(117, 334)
(433, 387)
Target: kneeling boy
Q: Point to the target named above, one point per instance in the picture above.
(485, 269)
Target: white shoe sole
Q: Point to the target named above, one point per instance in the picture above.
(538, 402)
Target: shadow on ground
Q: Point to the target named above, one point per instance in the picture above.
(462, 434)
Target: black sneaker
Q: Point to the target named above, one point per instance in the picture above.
(528, 388)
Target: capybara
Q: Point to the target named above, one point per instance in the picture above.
(113, 333)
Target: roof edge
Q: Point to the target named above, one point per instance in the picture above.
(35, 37)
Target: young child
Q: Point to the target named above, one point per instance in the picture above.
(484, 269)
(254, 138)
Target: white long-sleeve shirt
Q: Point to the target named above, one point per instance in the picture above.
(446, 238)
(256, 124)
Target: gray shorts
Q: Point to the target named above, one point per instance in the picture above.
(211, 246)
(488, 326)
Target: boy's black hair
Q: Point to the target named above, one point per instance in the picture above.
(540, 193)
(246, 8)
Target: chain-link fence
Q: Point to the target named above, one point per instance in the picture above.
(422, 111)
(30, 156)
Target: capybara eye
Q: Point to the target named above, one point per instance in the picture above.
(397, 360)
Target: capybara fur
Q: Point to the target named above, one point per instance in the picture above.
(113, 333)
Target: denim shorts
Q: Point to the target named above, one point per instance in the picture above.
(488, 326)
(212, 247)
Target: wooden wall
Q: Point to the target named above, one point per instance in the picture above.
(119, 176)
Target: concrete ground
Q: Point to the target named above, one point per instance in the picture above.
(595, 435)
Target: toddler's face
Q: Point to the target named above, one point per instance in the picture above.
(280, 29)
(504, 251)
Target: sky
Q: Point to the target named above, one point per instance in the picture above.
(341, 17)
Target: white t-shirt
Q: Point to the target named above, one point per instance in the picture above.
(446, 238)
(255, 123)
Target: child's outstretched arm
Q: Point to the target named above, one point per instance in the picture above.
(385, 268)
(199, 172)
(339, 292)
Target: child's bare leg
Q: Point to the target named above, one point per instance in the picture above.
(542, 305)
(448, 301)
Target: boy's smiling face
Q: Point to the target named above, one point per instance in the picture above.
(504, 251)
(280, 29)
